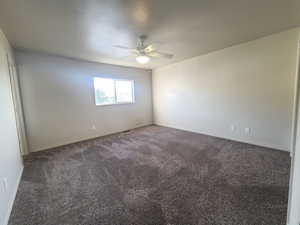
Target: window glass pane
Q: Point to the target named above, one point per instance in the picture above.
(104, 91)
(124, 91)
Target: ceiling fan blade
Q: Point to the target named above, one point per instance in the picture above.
(123, 47)
(160, 54)
(132, 50)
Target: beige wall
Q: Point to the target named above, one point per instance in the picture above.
(225, 92)
(58, 100)
(11, 165)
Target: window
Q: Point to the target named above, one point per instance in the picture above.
(113, 91)
(124, 91)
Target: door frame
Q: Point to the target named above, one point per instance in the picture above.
(18, 109)
(293, 212)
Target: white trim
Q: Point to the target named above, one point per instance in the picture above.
(115, 91)
(12, 199)
(121, 103)
(91, 137)
(294, 134)
(296, 100)
(262, 144)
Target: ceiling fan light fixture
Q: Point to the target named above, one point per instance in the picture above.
(142, 59)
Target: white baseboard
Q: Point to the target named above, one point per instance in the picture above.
(267, 145)
(79, 139)
(12, 199)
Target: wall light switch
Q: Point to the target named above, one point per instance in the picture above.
(4, 185)
(247, 130)
(232, 128)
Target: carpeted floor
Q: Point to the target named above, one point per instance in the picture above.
(153, 176)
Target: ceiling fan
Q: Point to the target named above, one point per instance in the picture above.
(143, 52)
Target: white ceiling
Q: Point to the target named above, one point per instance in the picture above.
(87, 29)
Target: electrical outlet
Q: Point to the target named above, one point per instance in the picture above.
(138, 122)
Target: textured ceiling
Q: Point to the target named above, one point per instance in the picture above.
(87, 29)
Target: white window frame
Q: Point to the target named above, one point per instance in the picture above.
(115, 90)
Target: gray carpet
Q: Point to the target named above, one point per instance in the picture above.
(154, 176)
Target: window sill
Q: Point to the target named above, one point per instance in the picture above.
(122, 103)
